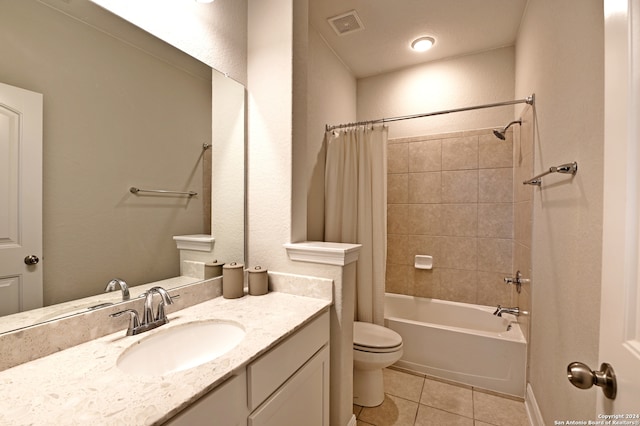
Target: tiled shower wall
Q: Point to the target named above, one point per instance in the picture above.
(451, 196)
(523, 211)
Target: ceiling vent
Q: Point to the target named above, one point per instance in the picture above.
(346, 23)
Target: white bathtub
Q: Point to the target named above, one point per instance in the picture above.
(460, 342)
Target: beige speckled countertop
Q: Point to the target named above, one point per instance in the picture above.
(83, 386)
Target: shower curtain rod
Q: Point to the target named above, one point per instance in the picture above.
(528, 100)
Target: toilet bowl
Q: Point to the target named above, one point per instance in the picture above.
(374, 348)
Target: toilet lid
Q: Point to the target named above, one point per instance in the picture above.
(368, 336)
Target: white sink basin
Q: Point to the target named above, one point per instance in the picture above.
(180, 348)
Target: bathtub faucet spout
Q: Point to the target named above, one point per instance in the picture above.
(513, 311)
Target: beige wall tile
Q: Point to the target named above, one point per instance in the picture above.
(458, 285)
(398, 158)
(397, 218)
(397, 249)
(523, 172)
(523, 301)
(495, 185)
(495, 220)
(397, 188)
(425, 187)
(460, 186)
(425, 156)
(458, 253)
(522, 259)
(424, 219)
(460, 153)
(523, 222)
(397, 279)
(463, 216)
(426, 282)
(495, 255)
(492, 290)
(459, 220)
(425, 245)
(493, 152)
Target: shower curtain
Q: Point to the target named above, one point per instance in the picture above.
(356, 209)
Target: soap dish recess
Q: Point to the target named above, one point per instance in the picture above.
(423, 262)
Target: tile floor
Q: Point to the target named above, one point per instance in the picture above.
(412, 400)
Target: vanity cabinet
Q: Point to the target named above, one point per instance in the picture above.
(301, 400)
(288, 385)
(225, 405)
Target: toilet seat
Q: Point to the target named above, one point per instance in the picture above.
(375, 338)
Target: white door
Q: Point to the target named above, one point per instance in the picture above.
(20, 199)
(620, 303)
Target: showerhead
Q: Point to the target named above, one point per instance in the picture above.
(500, 133)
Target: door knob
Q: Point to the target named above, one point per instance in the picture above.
(581, 376)
(32, 259)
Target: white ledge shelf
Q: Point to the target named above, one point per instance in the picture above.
(198, 242)
(327, 253)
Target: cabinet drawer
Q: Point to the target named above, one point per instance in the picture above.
(270, 371)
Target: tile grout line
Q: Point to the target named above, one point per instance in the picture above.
(415, 419)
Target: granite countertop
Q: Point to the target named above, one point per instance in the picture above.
(83, 386)
(61, 310)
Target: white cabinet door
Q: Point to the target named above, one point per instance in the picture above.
(20, 199)
(302, 400)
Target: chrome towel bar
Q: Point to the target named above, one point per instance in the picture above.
(135, 190)
(569, 168)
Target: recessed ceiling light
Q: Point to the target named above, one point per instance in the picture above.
(423, 44)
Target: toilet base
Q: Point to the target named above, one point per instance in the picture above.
(368, 387)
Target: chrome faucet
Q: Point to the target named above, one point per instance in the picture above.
(149, 320)
(111, 286)
(513, 311)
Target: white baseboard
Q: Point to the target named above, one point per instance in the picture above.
(533, 411)
(352, 422)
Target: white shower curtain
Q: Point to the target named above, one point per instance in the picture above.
(356, 209)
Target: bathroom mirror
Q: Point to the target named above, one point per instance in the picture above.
(121, 109)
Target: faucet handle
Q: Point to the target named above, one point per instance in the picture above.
(517, 281)
(160, 314)
(134, 321)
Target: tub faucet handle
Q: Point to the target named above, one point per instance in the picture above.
(517, 281)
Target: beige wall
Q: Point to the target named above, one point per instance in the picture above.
(559, 56)
(435, 86)
(216, 34)
(331, 92)
(451, 196)
(114, 117)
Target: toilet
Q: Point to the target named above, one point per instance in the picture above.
(374, 348)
